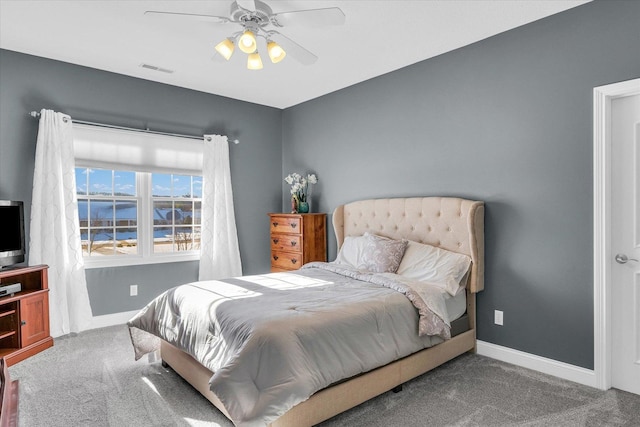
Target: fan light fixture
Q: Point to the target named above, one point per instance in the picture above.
(225, 48)
(247, 42)
(276, 52)
(254, 62)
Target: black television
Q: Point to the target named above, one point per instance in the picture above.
(12, 243)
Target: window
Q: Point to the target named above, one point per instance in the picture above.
(177, 204)
(108, 211)
(129, 217)
(139, 196)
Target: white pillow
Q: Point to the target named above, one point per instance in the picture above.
(351, 251)
(438, 266)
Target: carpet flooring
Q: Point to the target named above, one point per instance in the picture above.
(91, 379)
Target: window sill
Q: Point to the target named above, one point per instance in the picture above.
(106, 262)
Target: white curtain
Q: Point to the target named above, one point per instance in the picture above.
(219, 253)
(55, 231)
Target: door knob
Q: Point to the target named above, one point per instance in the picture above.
(623, 259)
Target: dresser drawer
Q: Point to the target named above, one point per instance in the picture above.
(283, 224)
(286, 260)
(281, 242)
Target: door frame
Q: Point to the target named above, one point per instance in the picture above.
(602, 97)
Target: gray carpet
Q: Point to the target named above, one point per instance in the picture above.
(92, 380)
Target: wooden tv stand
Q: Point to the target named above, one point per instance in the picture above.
(24, 316)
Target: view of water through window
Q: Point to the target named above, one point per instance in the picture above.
(111, 205)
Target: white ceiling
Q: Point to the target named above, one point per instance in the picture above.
(378, 37)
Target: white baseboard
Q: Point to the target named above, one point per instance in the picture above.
(538, 363)
(112, 319)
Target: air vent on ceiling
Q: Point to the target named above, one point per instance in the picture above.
(155, 68)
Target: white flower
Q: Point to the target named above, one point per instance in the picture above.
(299, 184)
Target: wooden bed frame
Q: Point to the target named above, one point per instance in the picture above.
(451, 223)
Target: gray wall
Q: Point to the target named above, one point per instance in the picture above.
(30, 83)
(507, 120)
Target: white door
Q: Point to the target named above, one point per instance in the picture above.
(625, 243)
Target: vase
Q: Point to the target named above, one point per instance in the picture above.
(294, 205)
(303, 207)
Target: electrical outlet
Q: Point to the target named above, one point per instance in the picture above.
(498, 317)
(133, 290)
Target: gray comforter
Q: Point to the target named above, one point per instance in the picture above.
(274, 340)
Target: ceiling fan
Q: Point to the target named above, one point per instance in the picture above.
(255, 19)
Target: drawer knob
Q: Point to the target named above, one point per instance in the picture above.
(293, 243)
(275, 257)
(23, 322)
(275, 241)
(293, 260)
(294, 225)
(275, 224)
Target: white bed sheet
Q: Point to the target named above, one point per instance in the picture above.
(456, 306)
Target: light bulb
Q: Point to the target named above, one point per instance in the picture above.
(276, 52)
(254, 62)
(225, 48)
(247, 42)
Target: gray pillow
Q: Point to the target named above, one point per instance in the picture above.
(382, 255)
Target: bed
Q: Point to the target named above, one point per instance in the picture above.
(452, 225)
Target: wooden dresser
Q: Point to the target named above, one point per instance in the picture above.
(297, 239)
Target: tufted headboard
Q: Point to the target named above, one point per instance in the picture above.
(447, 222)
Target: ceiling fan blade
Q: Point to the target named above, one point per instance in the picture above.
(292, 48)
(309, 17)
(207, 18)
(247, 4)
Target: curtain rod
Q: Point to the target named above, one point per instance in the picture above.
(35, 114)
